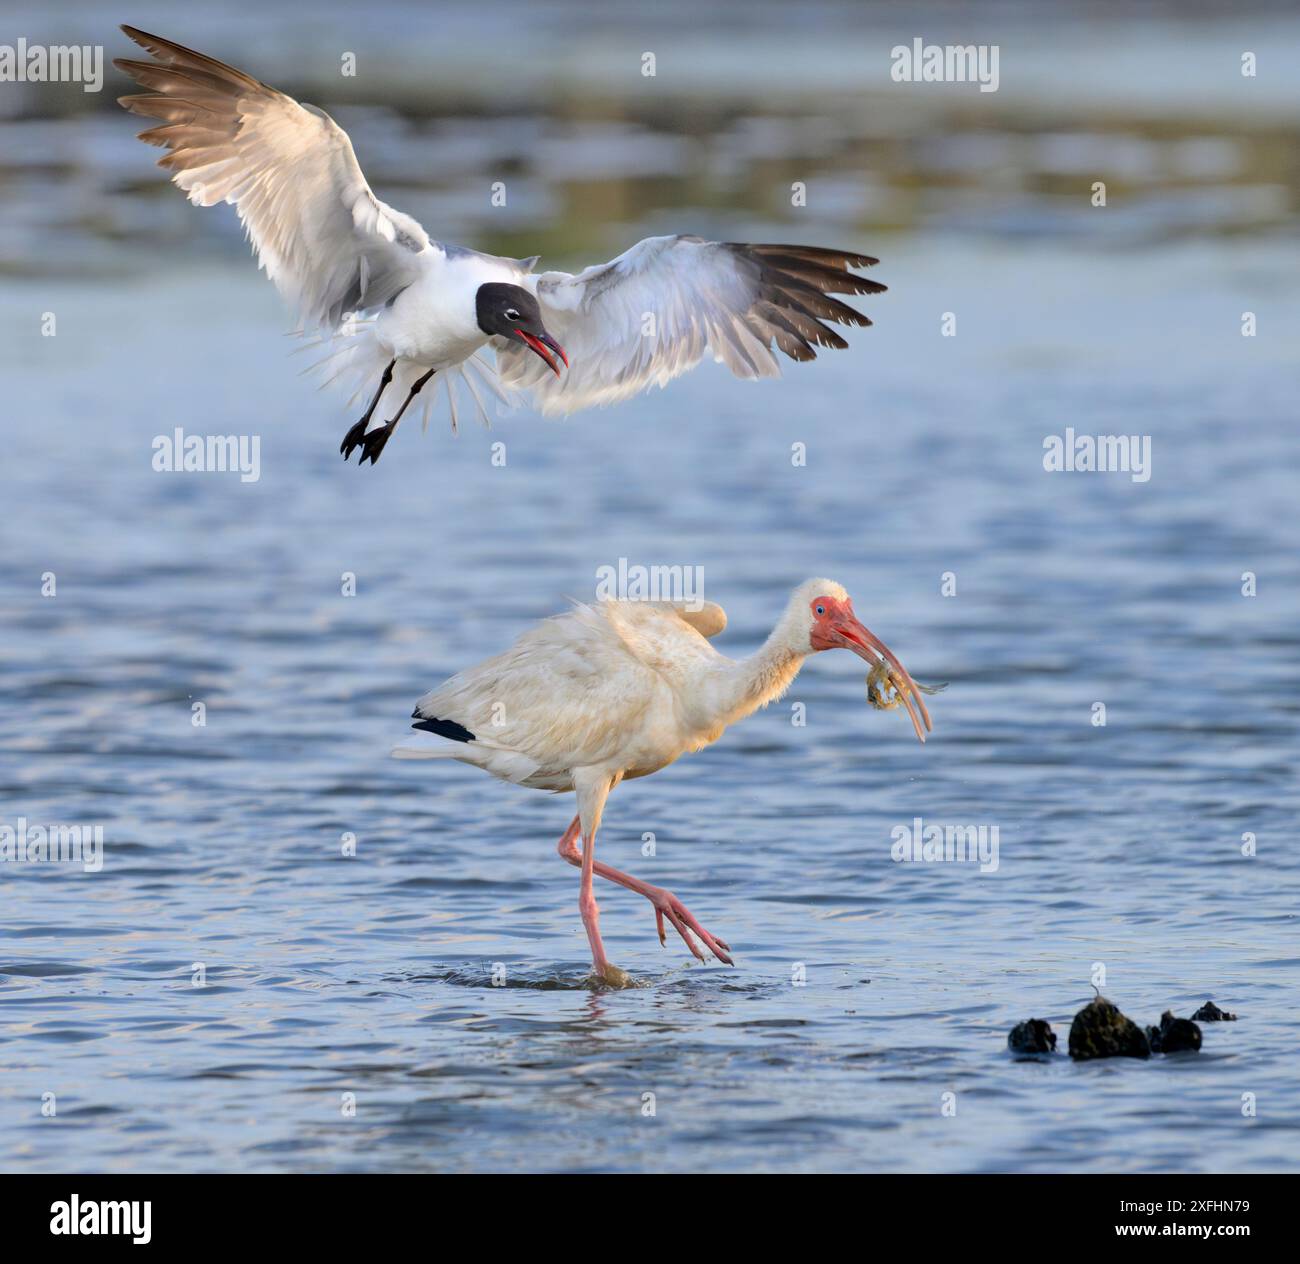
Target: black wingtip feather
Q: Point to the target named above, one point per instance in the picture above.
(442, 728)
(796, 284)
(812, 254)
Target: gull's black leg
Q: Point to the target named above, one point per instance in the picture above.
(373, 443)
(355, 435)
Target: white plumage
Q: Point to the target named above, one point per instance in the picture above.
(657, 310)
(322, 236)
(624, 687)
(620, 689)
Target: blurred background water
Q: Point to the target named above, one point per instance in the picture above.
(372, 976)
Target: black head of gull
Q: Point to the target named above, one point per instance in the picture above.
(510, 311)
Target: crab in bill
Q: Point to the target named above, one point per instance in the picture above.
(885, 691)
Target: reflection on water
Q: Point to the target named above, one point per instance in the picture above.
(864, 989)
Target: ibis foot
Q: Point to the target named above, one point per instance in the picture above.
(666, 904)
(612, 976)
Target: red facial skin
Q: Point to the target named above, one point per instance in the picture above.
(837, 627)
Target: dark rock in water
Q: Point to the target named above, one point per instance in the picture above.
(1211, 1013)
(1034, 1036)
(1174, 1035)
(1099, 1030)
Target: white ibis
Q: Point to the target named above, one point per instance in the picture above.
(620, 689)
(412, 307)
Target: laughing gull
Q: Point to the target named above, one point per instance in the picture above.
(396, 305)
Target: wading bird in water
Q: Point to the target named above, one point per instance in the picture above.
(401, 307)
(620, 689)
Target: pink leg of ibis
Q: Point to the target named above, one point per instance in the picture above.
(666, 904)
(591, 913)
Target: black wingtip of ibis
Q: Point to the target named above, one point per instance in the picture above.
(442, 728)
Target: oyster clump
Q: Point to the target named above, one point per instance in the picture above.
(1174, 1035)
(1032, 1036)
(1099, 1030)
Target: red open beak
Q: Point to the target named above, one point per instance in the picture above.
(539, 343)
(868, 646)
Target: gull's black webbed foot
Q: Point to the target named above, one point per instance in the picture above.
(352, 440)
(373, 443)
(357, 435)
